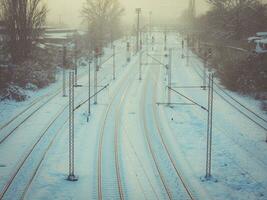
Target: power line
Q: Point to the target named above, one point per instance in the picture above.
(238, 102)
(195, 103)
(248, 109)
(241, 111)
(223, 98)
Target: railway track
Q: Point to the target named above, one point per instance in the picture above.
(164, 182)
(152, 149)
(115, 138)
(28, 154)
(35, 101)
(19, 167)
(27, 157)
(34, 172)
(226, 132)
(50, 96)
(160, 133)
(241, 148)
(3, 139)
(232, 140)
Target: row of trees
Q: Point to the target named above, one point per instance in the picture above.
(234, 19)
(228, 24)
(103, 19)
(24, 21)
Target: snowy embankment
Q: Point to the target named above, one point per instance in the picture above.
(239, 151)
(134, 147)
(42, 128)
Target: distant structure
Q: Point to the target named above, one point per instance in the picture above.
(192, 9)
(258, 43)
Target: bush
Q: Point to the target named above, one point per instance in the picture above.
(13, 92)
(240, 71)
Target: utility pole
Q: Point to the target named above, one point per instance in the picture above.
(209, 126)
(140, 65)
(89, 87)
(208, 54)
(71, 176)
(64, 71)
(150, 24)
(169, 76)
(114, 63)
(147, 48)
(141, 40)
(165, 40)
(205, 71)
(75, 62)
(182, 48)
(138, 11)
(95, 76)
(128, 52)
(187, 52)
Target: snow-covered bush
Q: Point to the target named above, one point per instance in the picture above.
(31, 86)
(33, 72)
(13, 92)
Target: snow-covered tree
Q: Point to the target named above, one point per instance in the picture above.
(103, 18)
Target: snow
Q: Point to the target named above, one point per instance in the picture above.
(263, 41)
(57, 36)
(252, 39)
(239, 151)
(42, 46)
(261, 34)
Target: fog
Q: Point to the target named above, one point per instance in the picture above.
(69, 11)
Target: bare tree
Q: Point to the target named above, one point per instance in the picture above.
(237, 18)
(103, 18)
(24, 20)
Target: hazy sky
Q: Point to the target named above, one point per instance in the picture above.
(69, 10)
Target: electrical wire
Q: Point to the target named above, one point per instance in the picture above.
(240, 111)
(238, 102)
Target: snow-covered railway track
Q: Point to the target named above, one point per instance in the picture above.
(32, 110)
(13, 124)
(156, 117)
(154, 155)
(171, 178)
(109, 145)
(237, 156)
(7, 129)
(33, 103)
(100, 157)
(22, 168)
(27, 166)
(235, 140)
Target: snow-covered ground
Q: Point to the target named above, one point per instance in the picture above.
(133, 147)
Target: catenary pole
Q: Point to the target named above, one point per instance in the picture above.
(138, 11)
(89, 88)
(71, 176)
(95, 76)
(169, 76)
(114, 62)
(64, 71)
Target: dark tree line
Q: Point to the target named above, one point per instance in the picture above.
(103, 19)
(225, 29)
(234, 19)
(24, 21)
